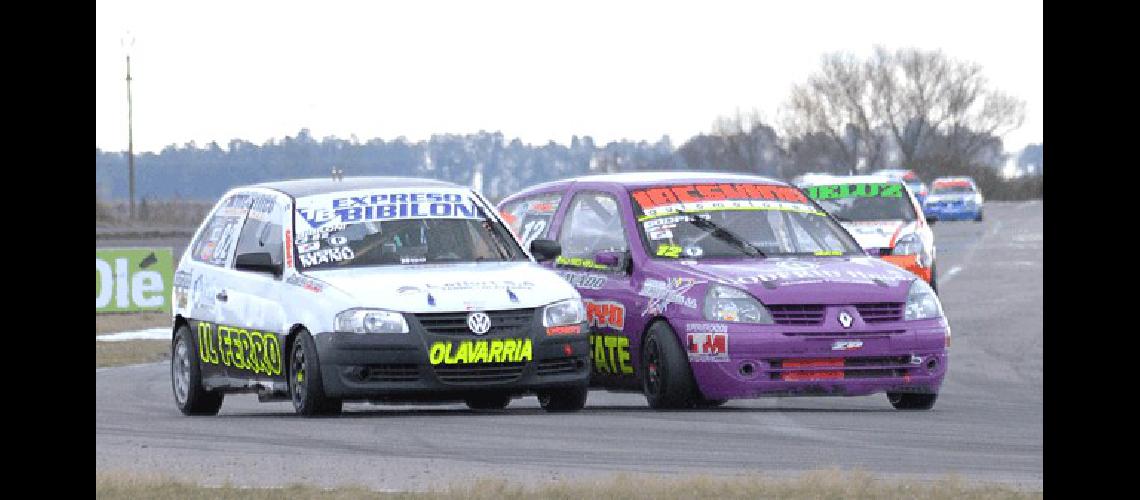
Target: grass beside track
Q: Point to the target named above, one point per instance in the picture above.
(114, 323)
(130, 352)
(815, 485)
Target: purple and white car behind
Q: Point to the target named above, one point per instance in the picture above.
(701, 288)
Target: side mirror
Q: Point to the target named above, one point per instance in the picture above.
(608, 259)
(544, 250)
(258, 262)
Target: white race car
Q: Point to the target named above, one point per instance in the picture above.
(883, 216)
(371, 289)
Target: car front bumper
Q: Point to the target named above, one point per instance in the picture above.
(952, 212)
(799, 361)
(426, 366)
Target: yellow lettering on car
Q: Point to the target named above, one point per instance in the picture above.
(611, 354)
(481, 351)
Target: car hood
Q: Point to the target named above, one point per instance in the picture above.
(879, 233)
(819, 280)
(424, 288)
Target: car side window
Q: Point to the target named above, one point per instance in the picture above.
(530, 218)
(217, 240)
(593, 224)
(262, 231)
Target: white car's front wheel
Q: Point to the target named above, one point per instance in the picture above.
(305, 383)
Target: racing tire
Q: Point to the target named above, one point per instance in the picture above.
(186, 377)
(910, 401)
(490, 401)
(666, 378)
(306, 385)
(934, 278)
(980, 217)
(566, 400)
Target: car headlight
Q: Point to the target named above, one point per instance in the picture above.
(371, 321)
(724, 303)
(921, 302)
(566, 312)
(910, 244)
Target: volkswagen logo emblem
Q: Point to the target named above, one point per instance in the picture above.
(479, 323)
(845, 319)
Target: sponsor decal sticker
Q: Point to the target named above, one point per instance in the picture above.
(563, 330)
(578, 262)
(481, 351)
(305, 282)
(371, 205)
(664, 201)
(605, 314)
(663, 293)
(846, 345)
(250, 350)
(857, 190)
(583, 280)
(706, 327)
(611, 354)
(708, 347)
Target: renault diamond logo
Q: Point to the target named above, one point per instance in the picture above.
(479, 323)
(845, 319)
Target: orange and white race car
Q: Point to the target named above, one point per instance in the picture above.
(883, 216)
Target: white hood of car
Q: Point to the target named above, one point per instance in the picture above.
(878, 233)
(424, 288)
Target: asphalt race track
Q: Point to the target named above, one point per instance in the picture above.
(987, 424)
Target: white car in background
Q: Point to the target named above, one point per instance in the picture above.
(371, 289)
(883, 216)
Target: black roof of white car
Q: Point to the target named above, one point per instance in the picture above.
(310, 187)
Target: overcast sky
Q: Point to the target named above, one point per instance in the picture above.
(540, 70)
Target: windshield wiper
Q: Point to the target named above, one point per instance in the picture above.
(725, 235)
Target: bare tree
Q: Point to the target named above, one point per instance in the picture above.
(932, 107)
(837, 102)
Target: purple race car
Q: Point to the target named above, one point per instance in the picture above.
(700, 288)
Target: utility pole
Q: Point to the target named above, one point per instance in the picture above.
(130, 134)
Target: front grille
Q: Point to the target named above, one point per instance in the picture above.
(797, 314)
(852, 368)
(557, 366)
(480, 373)
(392, 373)
(508, 322)
(880, 312)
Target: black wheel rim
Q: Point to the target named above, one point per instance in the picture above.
(298, 376)
(652, 368)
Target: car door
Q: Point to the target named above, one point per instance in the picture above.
(593, 222)
(253, 312)
(211, 253)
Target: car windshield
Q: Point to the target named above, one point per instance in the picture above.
(736, 221)
(952, 188)
(378, 229)
(864, 201)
